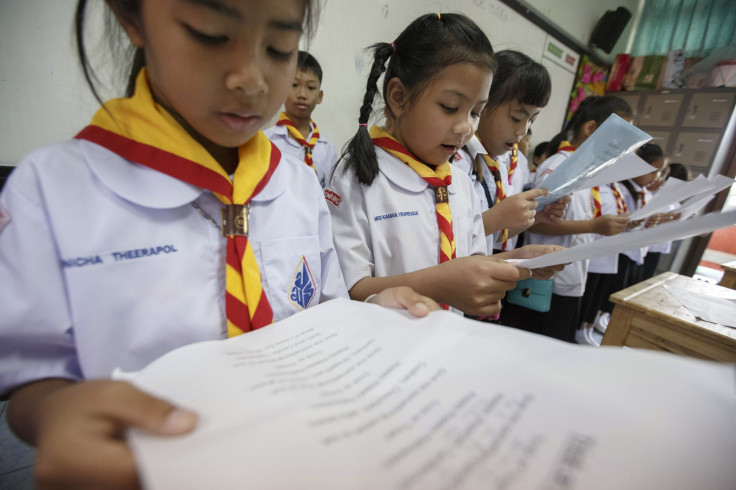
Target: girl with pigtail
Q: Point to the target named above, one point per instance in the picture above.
(400, 214)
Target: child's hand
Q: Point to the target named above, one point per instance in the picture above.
(405, 298)
(81, 433)
(553, 212)
(531, 251)
(476, 284)
(519, 210)
(611, 224)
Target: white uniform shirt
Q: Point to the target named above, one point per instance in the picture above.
(324, 154)
(609, 263)
(570, 281)
(108, 264)
(464, 161)
(632, 204)
(390, 227)
(516, 184)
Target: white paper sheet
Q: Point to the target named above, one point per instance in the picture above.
(352, 395)
(716, 309)
(696, 203)
(612, 140)
(697, 188)
(626, 167)
(622, 242)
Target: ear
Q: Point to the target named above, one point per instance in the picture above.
(396, 95)
(319, 99)
(589, 127)
(130, 25)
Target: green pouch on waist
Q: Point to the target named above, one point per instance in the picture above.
(535, 294)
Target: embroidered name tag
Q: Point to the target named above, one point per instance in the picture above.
(121, 256)
(333, 197)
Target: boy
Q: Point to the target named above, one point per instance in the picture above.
(295, 133)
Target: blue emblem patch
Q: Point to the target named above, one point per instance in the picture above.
(302, 286)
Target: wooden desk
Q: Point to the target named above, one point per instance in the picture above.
(647, 316)
(729, 277)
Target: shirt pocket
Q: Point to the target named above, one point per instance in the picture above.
(291, 271)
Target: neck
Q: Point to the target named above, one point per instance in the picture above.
(303, 125)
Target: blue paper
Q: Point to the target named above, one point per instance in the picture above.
(612, 140)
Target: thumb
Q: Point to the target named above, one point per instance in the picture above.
(138, 409)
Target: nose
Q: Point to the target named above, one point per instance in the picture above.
(521, 129)
(465, 126)
(246, 74)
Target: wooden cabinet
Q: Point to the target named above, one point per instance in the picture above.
(695, 127)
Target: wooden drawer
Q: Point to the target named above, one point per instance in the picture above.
(709, 110)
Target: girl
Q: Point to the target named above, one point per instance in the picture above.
(582, 219)
(400, 215)
(627, 268)
(499, 171)
(114, 253)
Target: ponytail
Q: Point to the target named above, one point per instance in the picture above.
(359, 153)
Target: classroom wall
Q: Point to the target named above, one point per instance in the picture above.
(44, 99)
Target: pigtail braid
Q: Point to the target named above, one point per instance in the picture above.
(359, 153)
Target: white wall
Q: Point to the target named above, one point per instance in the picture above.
(44, 99)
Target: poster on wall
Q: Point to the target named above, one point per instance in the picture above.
(590, 80)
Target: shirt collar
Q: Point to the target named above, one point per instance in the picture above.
(147, 187)
(401, 174)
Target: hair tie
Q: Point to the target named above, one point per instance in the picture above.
(393, 46)
(362, 125)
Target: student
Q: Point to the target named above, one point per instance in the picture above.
(525, 143)
(113, 253)
(295, 121)
(499, 171)
(582, 220)
(401, 216)
(540, 155)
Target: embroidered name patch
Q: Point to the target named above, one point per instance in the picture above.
(120, 256)
(400, 214)
(333, 197)
(302, 286)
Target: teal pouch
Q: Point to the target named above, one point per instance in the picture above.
(535, 294)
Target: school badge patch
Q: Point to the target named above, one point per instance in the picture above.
(302, 286)
(333, 197)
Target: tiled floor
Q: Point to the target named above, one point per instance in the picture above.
(16, 459)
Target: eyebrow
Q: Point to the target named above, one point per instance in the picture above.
(219, 7)
(462, 95)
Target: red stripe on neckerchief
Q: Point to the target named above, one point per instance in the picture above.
(438, 178)
(140, 130)
(514, 162)
(285, 120)
(620, 201)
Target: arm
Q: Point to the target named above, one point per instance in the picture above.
(608, 224)
(472, 284)
(78, 429)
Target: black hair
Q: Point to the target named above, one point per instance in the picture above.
(518, 77)
(428, 45)
(306, 62)
(594, 108)
(650, 152)
(541, 148)
(679, 171)
(529, 129)
(130, 11)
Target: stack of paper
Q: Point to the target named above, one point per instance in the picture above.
(352, 395)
